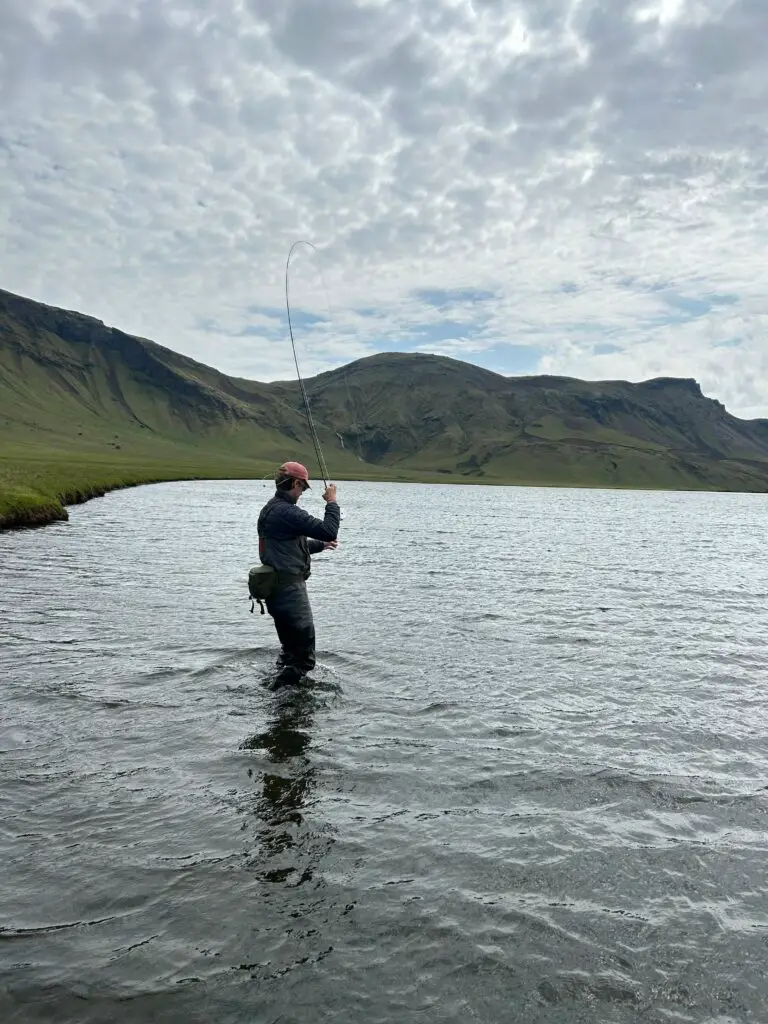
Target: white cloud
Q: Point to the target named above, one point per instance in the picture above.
(596, 166)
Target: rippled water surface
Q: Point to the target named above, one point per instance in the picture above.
(527, 783)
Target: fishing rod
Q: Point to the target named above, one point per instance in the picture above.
(310, 421)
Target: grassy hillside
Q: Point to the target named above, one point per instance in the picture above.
(426, 412)
(85, 408)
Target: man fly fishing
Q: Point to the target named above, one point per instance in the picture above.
(288, 536)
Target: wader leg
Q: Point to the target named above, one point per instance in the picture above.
(292, 614)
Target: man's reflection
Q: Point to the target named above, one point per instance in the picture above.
(285, 788)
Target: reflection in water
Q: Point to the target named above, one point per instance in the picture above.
(287, 787)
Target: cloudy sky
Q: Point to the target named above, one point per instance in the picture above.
(561, 186)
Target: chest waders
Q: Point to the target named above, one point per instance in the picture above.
(287, 601)
(292, 614)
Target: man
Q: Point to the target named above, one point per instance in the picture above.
(287, 537)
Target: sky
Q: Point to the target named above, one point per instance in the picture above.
(575, 187)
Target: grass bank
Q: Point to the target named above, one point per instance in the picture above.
(38, 482)
(36, 485)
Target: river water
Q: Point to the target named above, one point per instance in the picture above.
(527, 783)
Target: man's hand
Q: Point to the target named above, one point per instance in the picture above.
(330, 493)
(330, 545)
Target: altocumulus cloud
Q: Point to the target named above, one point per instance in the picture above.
(566, 186)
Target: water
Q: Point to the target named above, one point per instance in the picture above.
(528, 783)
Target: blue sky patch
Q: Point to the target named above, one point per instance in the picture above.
(439, 298)
(509, 359)
(446, 330)
(300, 319)
(692, 308)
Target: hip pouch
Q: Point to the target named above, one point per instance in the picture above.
(262, 583)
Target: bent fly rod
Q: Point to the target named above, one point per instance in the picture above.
(310, 421)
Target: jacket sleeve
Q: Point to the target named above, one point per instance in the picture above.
(323, 529)
(315, 546)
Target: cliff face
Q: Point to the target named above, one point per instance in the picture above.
(67, 380)
(399, 408)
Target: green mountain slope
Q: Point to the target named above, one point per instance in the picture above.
(85, 407)
(428, 412)
(66, 380)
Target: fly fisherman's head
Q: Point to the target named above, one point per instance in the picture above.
(292, 479)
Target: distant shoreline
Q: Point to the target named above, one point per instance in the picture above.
(27, 509)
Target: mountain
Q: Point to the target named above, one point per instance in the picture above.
(67, 379)
(432, 413)
(85, 407)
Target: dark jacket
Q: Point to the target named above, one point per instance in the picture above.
(288, 535)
